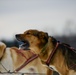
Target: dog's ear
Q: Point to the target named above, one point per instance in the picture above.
(54, 41)
(43, 35)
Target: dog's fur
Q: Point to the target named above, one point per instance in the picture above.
(11, 60)
(63, 58)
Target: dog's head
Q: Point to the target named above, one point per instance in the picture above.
(34, 39)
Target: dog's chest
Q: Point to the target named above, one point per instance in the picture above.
(6, 63)
(54, 69)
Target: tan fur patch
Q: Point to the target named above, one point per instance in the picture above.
(2, 48)
(11, 60)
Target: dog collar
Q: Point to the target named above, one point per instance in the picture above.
(52, 54)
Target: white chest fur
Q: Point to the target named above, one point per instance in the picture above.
(53, 68)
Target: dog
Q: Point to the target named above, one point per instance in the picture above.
(12, 59)
(57, 56)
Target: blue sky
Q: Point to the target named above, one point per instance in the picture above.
(51, 16)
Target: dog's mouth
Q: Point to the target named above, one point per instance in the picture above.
(24, 45)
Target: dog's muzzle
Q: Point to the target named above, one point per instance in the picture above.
(23, 44)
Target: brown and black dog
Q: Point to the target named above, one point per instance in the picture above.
(59, 56)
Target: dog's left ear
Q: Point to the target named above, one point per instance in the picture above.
(43, 35)
(46, 36)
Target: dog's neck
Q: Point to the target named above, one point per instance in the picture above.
(46, 50)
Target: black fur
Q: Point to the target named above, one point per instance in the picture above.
(70, 56)
(68, 52)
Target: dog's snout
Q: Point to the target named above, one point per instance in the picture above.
(17, 35)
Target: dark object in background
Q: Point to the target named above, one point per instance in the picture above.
(10, 43)
(71, 40)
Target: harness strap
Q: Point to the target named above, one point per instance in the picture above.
(3, 66)
(51, 55)
(19, 51)
(26, 62)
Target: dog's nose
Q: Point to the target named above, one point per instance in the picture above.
(17, 35)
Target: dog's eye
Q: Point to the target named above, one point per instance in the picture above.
(35, 34)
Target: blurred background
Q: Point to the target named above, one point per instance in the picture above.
(56, 17)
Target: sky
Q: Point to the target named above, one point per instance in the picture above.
(56, 17)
